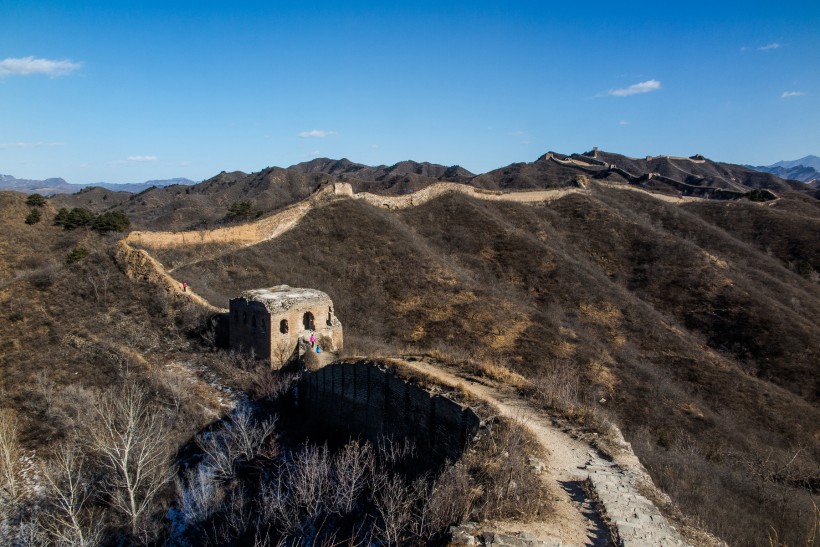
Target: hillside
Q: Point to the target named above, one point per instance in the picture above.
(690, 323)
(700, 343)
(208, 204)
(73, 327)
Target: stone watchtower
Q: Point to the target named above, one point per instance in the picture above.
(271, 321)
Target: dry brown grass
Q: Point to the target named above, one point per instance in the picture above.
(628, 294)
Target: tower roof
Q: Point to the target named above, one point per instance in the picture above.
(284, 297)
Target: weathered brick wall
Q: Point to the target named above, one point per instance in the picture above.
(363, 399)
(249, 326)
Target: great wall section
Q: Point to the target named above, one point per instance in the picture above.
(618, 485)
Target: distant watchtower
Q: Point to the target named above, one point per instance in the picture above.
(271, 321)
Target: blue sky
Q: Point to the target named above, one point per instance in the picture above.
(126, 92)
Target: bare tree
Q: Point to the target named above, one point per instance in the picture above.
(133, 441)
(208, 335)
(393, 502)
(247, 434)
(10, 453)
(99, 280)
(309, 479)
(30, 533)
(240, 439)
(69, 521)
(199, 494)
(351, 466)
(235, 520)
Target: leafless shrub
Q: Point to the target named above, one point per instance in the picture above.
(199, 494)
(449, 501)
(557, 386)
(392, 452)
(30, 533)
(99, 277)
(309, 477)
(351, 466)
(132, 438)
(277, 509)
(269, 385)
(281, 353)
(243, 360)
(69, 520)
(504, 485)
(234, 521)
(393, 501)
(239, 440)
(208, 333)
(10, 453)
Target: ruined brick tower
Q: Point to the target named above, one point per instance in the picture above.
(271, 321)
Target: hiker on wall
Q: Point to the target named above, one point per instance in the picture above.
(184, 286)
(312, 340)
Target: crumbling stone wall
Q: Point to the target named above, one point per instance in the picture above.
(362, 398)
(270, 322)
(250, 327)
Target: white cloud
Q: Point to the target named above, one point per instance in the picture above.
(767, 47)
(132, 159)
(316, 134)
(634, 89)
(374, 146)
(788, 94)
(623, 122)
(25, 66)
(315, 153)
(28, 145)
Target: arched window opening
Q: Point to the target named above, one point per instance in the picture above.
(262, 325)
(253, 322)
(245, 317)
(307, 321)
(283, 326)
(236, 316)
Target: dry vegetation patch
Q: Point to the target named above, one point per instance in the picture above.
(617, 297)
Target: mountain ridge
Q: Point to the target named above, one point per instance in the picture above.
(58, 185)
(805, 169)
(206, 205)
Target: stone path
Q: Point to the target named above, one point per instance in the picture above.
(634, 519)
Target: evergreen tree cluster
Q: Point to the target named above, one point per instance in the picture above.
(34, 201)
(111, 221)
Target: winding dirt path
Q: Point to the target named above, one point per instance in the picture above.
(569, 462)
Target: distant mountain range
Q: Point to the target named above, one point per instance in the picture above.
(206, 204)
(60, 186)
(805, 169)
